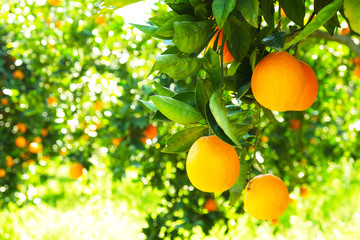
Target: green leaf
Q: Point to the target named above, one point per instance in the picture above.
(149, 30)
(176, 110)
(201, 97)
(237, 188)
(111, 5)
(212, 67)
(321, 18)
(294, 10)
(149, 105)
(240, 130)
(276, 41)
(180, 6)
(163, 91)
(221, 10)
(269, 115)
(183, 140)
(233, 109)
(159, 117)
(219, 112)
(187, 97)
(250, 10)
(191, 36)
(267, 9)
(167, 30)
(215, 126)
(161, 19)
(176, 67)
(238, 39)
(352, 12)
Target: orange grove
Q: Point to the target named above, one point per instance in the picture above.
(20, 142)
(294, 124)
(266, 197)
(357, 71)
(21, 127)
(210, 205)
(150, 133)
(44, 132)
(116, 141)
(75, 171)
(304, 191)
(4, 101)
(35, 147)
(212, 165)
(2, 173)
(54, 3)
(227, 57)
(9, 161)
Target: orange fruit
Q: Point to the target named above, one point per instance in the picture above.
(85, 137)
(357, 71)
(99, 105)
(35, 147)
(227, 57)
(275, 221)
(150, 133)
(356, 60)
(21, 127)
(304, 191)
(52, 101)
(18, 75)
(37, 139)
(9, 161)
(4, 101)
(116, 141)
(264, 139)
(75, 171)
(266, 197)
(310, 90)
(278, 81)
(100, 20)
(212, 165)
(294, 124)
(210, 205)
(44, 132)
(344, 31)
(20, 142)
(2, 173)
(63, 151)
(54, 3)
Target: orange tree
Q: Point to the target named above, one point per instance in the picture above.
(219, 97)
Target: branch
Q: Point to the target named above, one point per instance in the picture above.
(346, 40)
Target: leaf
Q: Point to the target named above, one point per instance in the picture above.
(183, 140)
(221, 10)
(352, 12)
(180, 6)
(269, 115)
(294, 10)
(149, 105)
(276, 41)
(212, 67)
(163, 91)
(162, 18)
(215, 126)
(240, 130)
(167, 30)
(187, 97)
(250, 10)
(191, 36)
(176, 110)
(201, 97)
(149, 30)
(176, 67)
(159, 117)
(267, 8)
(237, 188)
(239, 40)
(219, 112)
(321, 18)
(233, 109)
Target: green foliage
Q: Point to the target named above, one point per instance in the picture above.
(352, 14)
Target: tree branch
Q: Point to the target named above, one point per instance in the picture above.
(346, 40)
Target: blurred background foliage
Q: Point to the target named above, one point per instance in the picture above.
(71, 84)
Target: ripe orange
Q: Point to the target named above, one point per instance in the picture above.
(4, 101)
(35, 147)
(20, 142)
(63, 151)
(278, 81)
(357, 71)
(212, 165)
(44, 132)
(99, 105)
(344, 31)
(9, 161)
(264, 139)
(100, 20)
(227, 57)
(116, 141)
(356, 60)
(310, 90)
(75, 171)
(266, 197)
(18, 75)
(210, 205)
(21, 127)
(52, 101)
(304, 191)
(150, 133)
(294, 124)
(37, 139)
(54, 3)
(2, 173)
